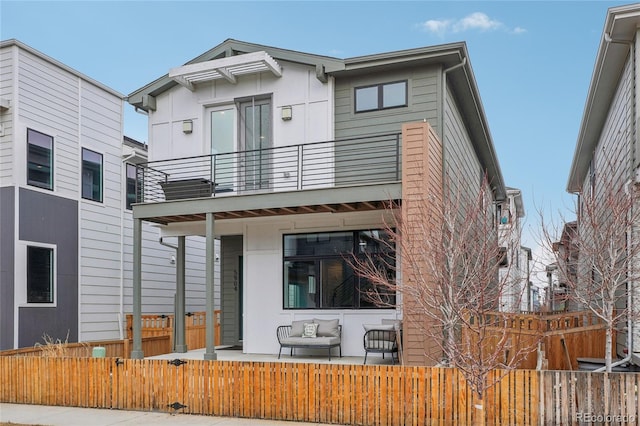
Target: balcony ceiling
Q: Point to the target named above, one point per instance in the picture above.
(225, 68)
(335, 200)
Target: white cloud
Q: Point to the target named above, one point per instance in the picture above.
(438, 27)
(477, 21)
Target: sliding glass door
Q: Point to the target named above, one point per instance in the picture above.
(256, 143)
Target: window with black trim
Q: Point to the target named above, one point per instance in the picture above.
(318, 273)
(91, 175)
(132, 180)
(40, 271)
(381, 96)
(39, 159)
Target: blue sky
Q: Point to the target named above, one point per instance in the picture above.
(532, 60)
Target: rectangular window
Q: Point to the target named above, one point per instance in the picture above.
(40, 272)
(91, 175)
(39, 159)
(131, 185)
(318, 273)
(381, 96)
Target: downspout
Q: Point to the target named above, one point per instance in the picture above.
(161, 241)
(123, 174)
(445, 71)
(629, 356)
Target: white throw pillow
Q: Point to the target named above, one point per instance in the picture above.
(310, 329)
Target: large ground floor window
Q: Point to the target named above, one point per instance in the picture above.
(318, 272)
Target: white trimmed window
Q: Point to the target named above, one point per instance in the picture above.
(39, 159)
(91, 175)
(40, 274)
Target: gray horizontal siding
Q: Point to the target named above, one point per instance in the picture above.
(462, 167)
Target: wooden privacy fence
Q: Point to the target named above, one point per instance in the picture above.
(326, 393)
(563, 337)
(162, 325)
(151, 346)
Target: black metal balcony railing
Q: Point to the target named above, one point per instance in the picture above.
(345, 162)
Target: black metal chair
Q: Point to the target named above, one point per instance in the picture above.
(381, 341)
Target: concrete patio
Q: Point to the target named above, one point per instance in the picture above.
(227, 353)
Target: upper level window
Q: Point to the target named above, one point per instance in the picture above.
(381, 96)
(91, 175)
(40, 281)
(39, 159)
(131, 185)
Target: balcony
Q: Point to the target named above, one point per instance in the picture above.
(333, 164)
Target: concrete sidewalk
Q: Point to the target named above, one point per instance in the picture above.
(68, 416)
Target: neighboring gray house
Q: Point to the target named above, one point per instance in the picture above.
(65, 197)
(515, 272)
(290, 159)
(610, 132)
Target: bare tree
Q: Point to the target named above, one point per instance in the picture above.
(605, 240)
(448, 278)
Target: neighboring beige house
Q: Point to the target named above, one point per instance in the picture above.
(610, 131)
(289, 159)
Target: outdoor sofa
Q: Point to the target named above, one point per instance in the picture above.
(311, 334)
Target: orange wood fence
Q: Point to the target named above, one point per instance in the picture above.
(162, 325)
(564, 337)
(319, 393)
(151, 346)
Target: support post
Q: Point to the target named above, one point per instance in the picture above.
(179, 323)
(136, 351)
(210, 351)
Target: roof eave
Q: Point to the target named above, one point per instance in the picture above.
(620, 24)
(164, 83)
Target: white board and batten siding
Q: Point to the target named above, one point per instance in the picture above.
(310, 99)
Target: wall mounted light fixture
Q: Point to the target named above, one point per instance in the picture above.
(287, 113)
(187, 126)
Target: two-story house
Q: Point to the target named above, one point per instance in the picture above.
(607, 153)
(291, 160)
(67, 182)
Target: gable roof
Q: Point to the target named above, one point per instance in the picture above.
(452, 57)
(619, 30)
(228, 48)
